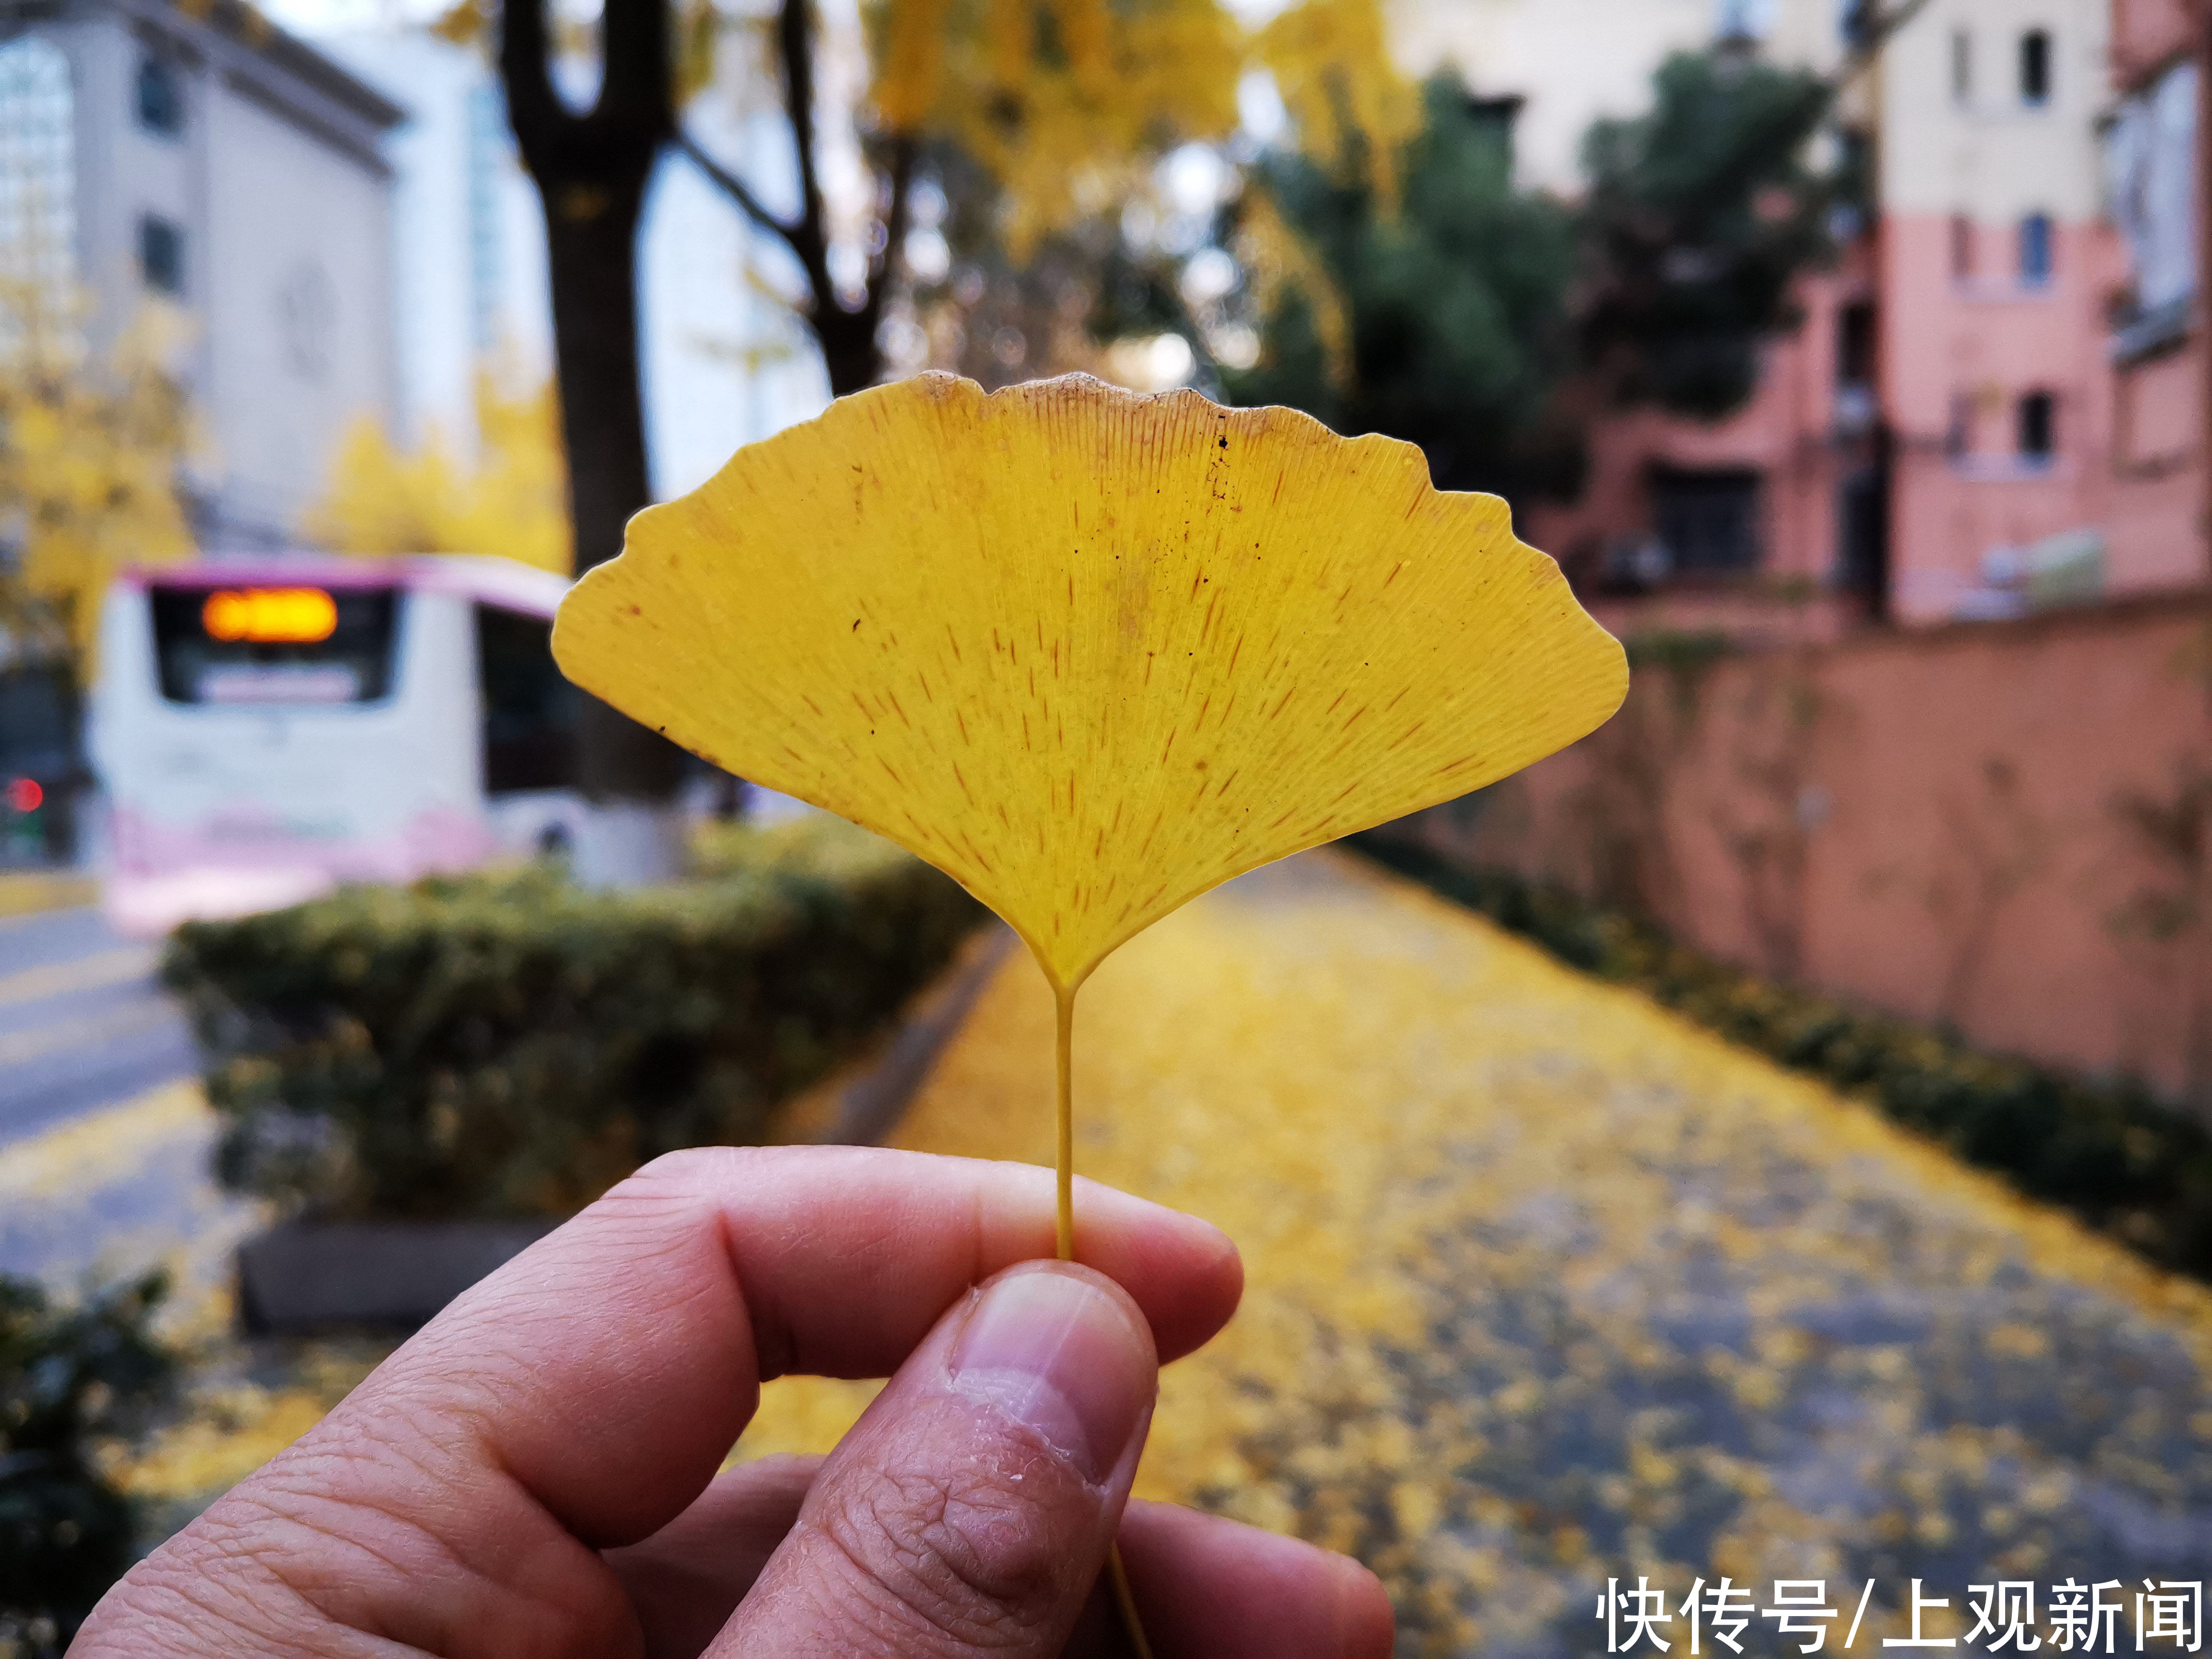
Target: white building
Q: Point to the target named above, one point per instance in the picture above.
(200, 158)
(469, 245)
(722, 362)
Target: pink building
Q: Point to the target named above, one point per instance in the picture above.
(1766, 525)
(1991, 404)
(1995, 408)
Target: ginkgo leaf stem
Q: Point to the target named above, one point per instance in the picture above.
(1064, 1243)
(1128, 1603)
(1064, 1166)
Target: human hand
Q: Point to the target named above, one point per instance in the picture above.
(534, 1472)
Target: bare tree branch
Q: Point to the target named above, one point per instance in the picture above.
(809, 238)
(883, 269)
(734, 187)
(845, 334)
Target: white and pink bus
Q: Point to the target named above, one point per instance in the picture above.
(264, 729)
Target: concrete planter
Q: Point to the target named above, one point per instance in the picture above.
(390, 1275)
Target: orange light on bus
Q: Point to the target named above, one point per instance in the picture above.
(269, 616)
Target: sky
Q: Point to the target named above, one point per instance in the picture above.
(312, 17)
(320, 16)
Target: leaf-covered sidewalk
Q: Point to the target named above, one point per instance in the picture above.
(1548, 1286)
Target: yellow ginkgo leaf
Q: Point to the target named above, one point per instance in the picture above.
(1090, 652)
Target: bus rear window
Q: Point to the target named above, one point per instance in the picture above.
(530, 710)
(262, 645)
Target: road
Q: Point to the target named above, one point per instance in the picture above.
(105, 1141)
(83, 1023)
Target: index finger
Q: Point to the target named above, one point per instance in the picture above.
(610, 1367)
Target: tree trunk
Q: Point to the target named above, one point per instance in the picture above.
(849, 352)
(591, 171)
(592, 255)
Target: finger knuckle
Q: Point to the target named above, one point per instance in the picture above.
(968, 1554)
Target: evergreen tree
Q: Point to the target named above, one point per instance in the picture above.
(1439, 303)
(1699, 218)
(1450, 325)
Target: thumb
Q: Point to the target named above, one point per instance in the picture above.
(970, 1510)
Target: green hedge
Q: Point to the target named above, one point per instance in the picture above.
(509, 1045)
(69, 1376)
(2109, 1151)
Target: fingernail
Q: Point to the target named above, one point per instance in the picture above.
(1061, 1358)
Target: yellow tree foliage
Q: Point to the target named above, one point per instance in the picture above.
(1350, 104)
(1353, 113)
(1064, 101)
(1278, 258)
(513, 502)
(1061, 99)
(1068, 102)
(89, 460)
(1066, 105)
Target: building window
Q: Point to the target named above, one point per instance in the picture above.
(2035, 249)
(1959, 433)
(38, 176)
(1862, 532)
(2035, 67)
(160, 96)
(530, 710)
(2038, 427)
(161, 254)
(1962, 67)
(1856, 408)
(1962, 247)
(1855, 343)
(1708, 522)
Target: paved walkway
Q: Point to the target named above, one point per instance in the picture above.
(1548, 1286)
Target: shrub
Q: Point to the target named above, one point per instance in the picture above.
(68, 1377)
(510, 1045)
(2109, 1151)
